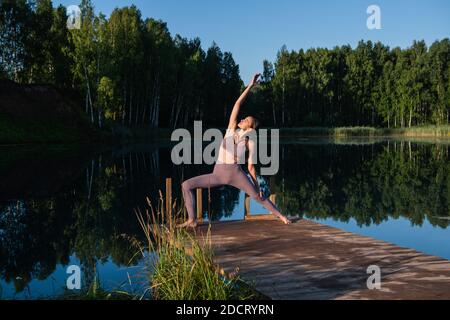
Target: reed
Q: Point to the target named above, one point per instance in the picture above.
(182, 265)
(442, 131)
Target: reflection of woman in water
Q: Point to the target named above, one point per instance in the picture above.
(227, 170)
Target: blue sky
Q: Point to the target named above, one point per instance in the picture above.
(254, 30)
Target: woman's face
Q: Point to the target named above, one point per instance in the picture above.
(245, 123)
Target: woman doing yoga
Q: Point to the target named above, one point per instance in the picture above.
(227, 170)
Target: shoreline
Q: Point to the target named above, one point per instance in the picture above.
(139, 135)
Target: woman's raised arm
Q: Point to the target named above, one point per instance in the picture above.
(232, 124)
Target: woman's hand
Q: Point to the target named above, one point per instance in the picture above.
(255, 79)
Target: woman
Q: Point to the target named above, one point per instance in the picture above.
(227, 171)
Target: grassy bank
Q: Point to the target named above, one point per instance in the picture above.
(29, 132)
(42, 114)
(164, 134)
(183, 266)
(425, 131)
(24, 132)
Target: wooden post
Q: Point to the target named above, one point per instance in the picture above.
(247, 213)
(199, 205)
(169, 196)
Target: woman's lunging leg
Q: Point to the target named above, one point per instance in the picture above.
(242, 182)
(188, 186)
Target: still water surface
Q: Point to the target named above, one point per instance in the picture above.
(61, 206)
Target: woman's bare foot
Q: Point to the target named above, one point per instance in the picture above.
(285, 220)
(188, 224)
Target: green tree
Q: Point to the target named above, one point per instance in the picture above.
(106, 100)
(15, 26)
(40, 42)
(440, 77)
(60, 49)
(159, 66)
(84, 54)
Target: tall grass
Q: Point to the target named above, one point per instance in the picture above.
(442, 131)
(183, 266)
(422, 131)
(355, 131)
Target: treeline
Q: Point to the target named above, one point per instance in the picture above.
(369, 85)
(131, 71)
(127, 69)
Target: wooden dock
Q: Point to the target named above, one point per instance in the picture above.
(307, 260)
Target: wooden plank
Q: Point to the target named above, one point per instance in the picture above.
(256, 217)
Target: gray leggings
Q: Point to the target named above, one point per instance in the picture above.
(223, 174)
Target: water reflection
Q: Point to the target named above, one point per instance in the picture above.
(367, 183)
(57, 205)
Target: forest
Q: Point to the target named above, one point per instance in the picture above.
(129, 71)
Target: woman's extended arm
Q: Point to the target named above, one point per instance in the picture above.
(232, 124)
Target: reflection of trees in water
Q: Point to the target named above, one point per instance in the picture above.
(369, 184)
(222, 202)
(88, 219)
(33, 239)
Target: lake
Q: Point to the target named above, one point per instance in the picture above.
(62, 206)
